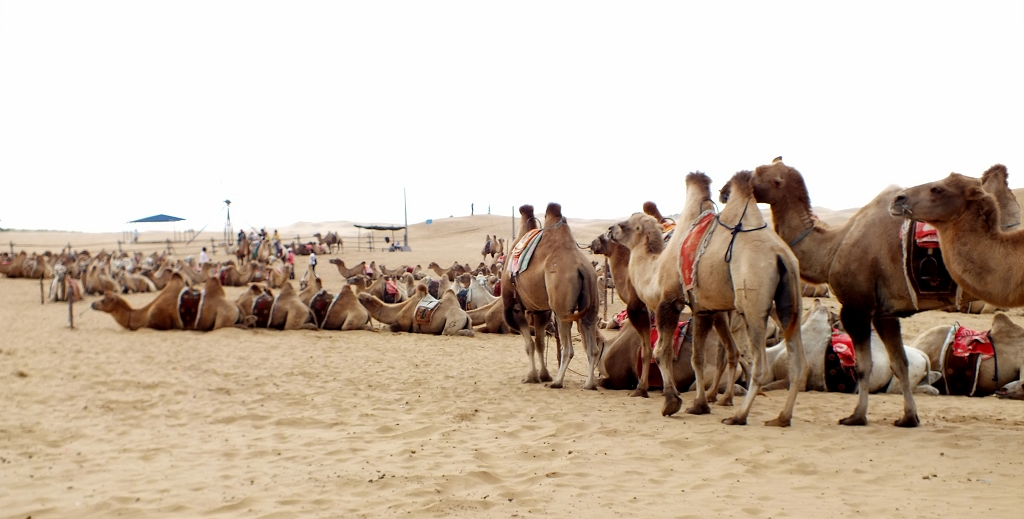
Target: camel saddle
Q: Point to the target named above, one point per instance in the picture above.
(523, 251)
(668, 228)
(425, 309)
(465, 299)
(368, 271)
(189, 300)
(390, 292)
(840, 364)
(222, 276)
(432, 287)
(261, 307)
(923, 265)
(654, 375)
(497, 288)
(961, 358)
(693, 246)
(320, 306)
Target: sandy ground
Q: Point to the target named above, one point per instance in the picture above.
(102, 422)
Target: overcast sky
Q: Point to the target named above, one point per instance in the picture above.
(318, 111)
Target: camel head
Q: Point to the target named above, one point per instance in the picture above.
(108, 303)
(553, 215)
(741, 184)
(994, 182)
(600, 244)
(943, 201)
(640, 230)
(777, 183)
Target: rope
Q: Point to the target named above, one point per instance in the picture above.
(736, 230)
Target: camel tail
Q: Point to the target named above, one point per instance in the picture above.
(586, 303)
(787, 298)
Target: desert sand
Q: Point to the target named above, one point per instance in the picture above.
(102, 422)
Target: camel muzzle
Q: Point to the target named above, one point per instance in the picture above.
(899, 206)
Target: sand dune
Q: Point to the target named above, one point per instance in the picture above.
(102, 422)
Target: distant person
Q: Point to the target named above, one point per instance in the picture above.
(291, 263)
(203, 258)
(252, 236)
(470, 209)
(135, 236)
(241, 236)
(312, 261)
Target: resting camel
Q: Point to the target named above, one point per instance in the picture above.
(985, 260)
(331, 240)
(745, 268)
(393, 272)
(862, 263)
(288, 312)
(11, 267)
(811, 290)
(816, 333)
(358, 270)
(278, 276)
(63, 286)
(476, 295)
(36, 267)
(232, 276)
(133, 283)
(447, 318)
(160, 314)
(387, 290)
(560, 282)
(489, 318)
(215, 310)
(335, 312)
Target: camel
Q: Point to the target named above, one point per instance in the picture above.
(476, 296)
(447, 318)
(278, 276)
(361, 269)
(331, 240)
(489, 318)
(562, 283)
(160, 314)
(387, 290)
(63, 286)
(288, 312)
(244, 251)
(12, 267)
(756, 270)
(493, 246)
(215, 310)
(451, 272)
(36, 267)
(134, 283)
(393, 272)
(861, 262)
(232, 276)
(982, 258)
(97, 281)
(161, 275)
(816, 333)
(1008, 341)
(339, 312)
(636, 309)
(812, 290)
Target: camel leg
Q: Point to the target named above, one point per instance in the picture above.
(589, 333)
(517, 321)
(641, 320)
(667, 317)
(731, 355)
(755, 334)
(565, 338)
(888, 329)
(858, 324)
(797, 377)
(702, 324)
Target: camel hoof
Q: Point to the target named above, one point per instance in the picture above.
(699, 409)
(778, 422)
(642, 393)
(854, 420)
(908, 421)
(712, 398)
(531, 379)
(672, 405)
(735, 420)
(544, 377)
(726, 402)
(590, 387)
(555, 385)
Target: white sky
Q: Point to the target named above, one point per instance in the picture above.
(318, 111)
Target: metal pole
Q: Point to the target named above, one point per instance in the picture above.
(42, 300)
(71, 309)
(405, 206)
(513, 224)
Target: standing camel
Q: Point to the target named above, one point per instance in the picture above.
(981, 257)
(558, 279)
(862, 262)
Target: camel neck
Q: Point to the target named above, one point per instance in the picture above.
(810, 240)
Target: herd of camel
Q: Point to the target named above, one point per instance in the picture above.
(725, 271)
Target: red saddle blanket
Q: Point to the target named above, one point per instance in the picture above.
(654, 375)
(691, 246)
(842, 344)
(368, 271)
(391, 287)
(926, 236)
(967, 342)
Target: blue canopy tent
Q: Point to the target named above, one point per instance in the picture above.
(156, 218)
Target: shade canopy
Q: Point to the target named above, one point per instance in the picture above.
(376, 227)
(157, 218)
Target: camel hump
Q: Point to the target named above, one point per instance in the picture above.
(743, 182)
(652, 209)
(997, 171)
(526, 210)
(777, 159)
(554, 210)
(698, 178)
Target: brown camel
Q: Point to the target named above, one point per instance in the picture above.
(393, 272)
(134, 283)
(331, 240)
(244, 251)
(278, 276)
(346, 272)
(335, 312)
(862, 263)
(985, 260)
(232, 276)
(744, 267)
(489, 318)
(812, 290)
(215, 309)
(288, 312)
(562, 282)
(388, 290)
(160, 314)
(446, 319)
(63, 287)
(12, 267)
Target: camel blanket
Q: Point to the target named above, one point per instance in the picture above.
(668, 228)
(692, 247)
(320, 305)
(840, 362)
(654, 375)
(523, 251)
(425, 309)
(391, 287)
(961, 357)
(368, 271)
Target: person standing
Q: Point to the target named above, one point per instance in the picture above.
(312, 262)
(203, 258)
(291, 263)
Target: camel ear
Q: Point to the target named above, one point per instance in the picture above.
(777, 159)
(974, 193)
(652, 209)
(996, 172)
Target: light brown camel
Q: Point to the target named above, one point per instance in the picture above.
(744, 267)
(492, 246)
(161, 275)
(288, 312)
(985, 260)
(813, 290)
(346, 272)
(489, 318)
(278, 276)
(215, 309)
(476, 295)
(232, 276)
(244, 251)
(393, 272)
(559, 280)
(134, 283)
(446, 319)
(331, 240)
(37, 266)
(13, 266)
(387, 290)
(335, 312)
(63, 286)
(862, 262)
(160, 314)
